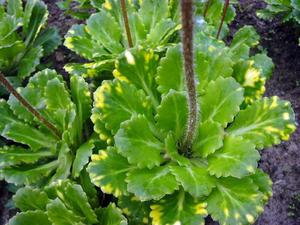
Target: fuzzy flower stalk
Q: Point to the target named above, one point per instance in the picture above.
(187, 39)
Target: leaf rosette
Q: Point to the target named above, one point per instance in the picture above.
(24, 40)
(144, 111)
(62, 202)
(39, 156)
(103, 38)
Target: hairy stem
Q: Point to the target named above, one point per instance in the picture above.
(126, 23)
(226, 4)
(28, 106)
(187, 39)
(206, 7)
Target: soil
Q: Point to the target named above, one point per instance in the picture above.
(282, 162)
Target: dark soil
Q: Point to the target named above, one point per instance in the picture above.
(282, 162)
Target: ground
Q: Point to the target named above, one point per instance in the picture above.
(282, 162)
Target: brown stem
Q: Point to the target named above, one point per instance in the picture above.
(207, 4)
(126, 23)
(226, 4)
(28, 106)
(187, 39)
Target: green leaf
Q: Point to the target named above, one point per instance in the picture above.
(264, 64)
(49, 39)
(264, 183)
(72, 198)
(110, 215)
(29, 174)
(234, 201)
(152, 12)
(178, 208)
(35, 16)
(171, 65)
(100, 129)
(7, 115)
(237, 158)
(117, 101)
(208, 139)
(56, 94)
(33, 96)
(160, 34)
(103, 28)
(55, 210)
(30, 218)
(243, 40)
(64, 163)
(14, 155)
(82, 157)
(138, 67)
(137, 142)
(30, 199)
(194, 179)
(81, 97)
(265, 123)
(78, 40)
(59, 102)
(25, 134)
(136, 211)
(29, 62)
(108, 171)
(212, 63)
(222, 100)
(151, 184)
(172, 114)
(15, 8)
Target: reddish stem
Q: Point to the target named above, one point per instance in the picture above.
(126, 23)
(28, 106)
(188, 53)
(226, 4)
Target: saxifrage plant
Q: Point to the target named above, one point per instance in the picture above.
(214, 57)
(24, 40)
(106, 34)
(180, 152)
(62, 203)
(50, 135)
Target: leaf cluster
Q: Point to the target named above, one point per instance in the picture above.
(142, 114)
(38, 156)
(24, 40)
(152, 23)
(140, 120)
(62, 202)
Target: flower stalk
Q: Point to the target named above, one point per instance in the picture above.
(126, 23)
(226, 5)
(28, 106)
(188, 53)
